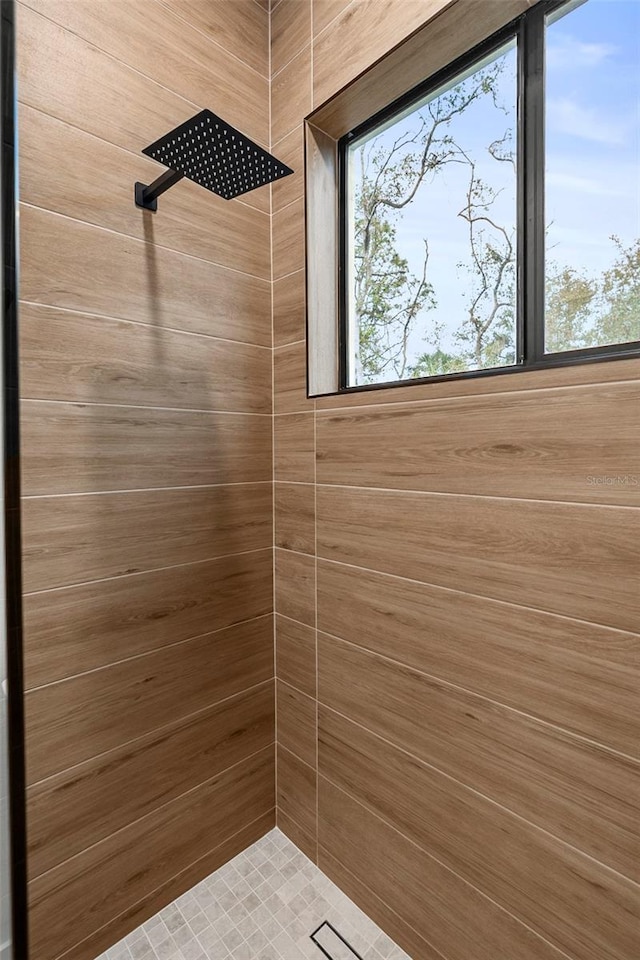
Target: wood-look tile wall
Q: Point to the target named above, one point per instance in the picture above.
(457, 609)
(147, 465)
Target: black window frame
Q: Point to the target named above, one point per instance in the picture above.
(529, 32)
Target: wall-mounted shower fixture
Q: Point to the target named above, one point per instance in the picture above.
(212, 153)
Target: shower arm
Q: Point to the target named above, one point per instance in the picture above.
(210, 152)
(147, 196)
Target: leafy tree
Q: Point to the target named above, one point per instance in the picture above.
(584, 311)
(487, 332)
(390, 299)
(388, 296)
(436, 363)
(620, 318)
(570, 299)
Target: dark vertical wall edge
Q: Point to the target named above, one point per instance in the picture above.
(13, 568)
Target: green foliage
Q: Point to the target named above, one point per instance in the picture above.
(388, 297)
(586, 311)
(391, 302)
(620, 285)
(436, 363)
(569, 306)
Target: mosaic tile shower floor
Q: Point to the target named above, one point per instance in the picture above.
(262, 905)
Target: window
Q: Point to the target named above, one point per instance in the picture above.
(490, 220)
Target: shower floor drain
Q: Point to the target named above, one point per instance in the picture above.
(333, 944)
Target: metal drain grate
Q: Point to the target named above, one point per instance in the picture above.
(333, 944)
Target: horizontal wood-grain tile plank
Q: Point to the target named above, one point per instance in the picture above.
(294, 505)
(291, 151)
(296, 654)
(421, 54)
(290, 379)
(289, 311)
(574, 559)
(168, 891)
(295, 586)
(304, 841)
(360, 35)
(294, 447)
(288, 239)
(296, 722)
(523, 869)
(291, 98)
(240, 27)
(296, 790)
(577, 675)
(78, 66)
(189, 220)
(453, 917)
(125, 278)
(73, 448)
(75, 809)
(614, 371)
(72, 356)
(290, 31)
(576, 444)
(108, 878)
(324, 11)
(76, 719)
(80, 538)
(354, 885)
(80, 628)
(574, 789)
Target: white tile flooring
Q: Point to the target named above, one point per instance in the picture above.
(262, 905)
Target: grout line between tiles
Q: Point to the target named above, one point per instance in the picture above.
(481, 696)
(116, 146)
(165, 727)
(418, 403)
(210, 39)
(147, 653)
(383, 902)
(333, 19)
(300, 828)
(143, 406)
(147, 243)
(142, 573)
(307, 696)
(108, 493)
(143, 323)
(129, 66)
(277, 213)
(474, 790)
(298, 53)
(480, 496)
(284, 276)
(573, 734)
(281, 746)
(292, 753)
(295, 129)
(155, 810)
(342, 405)
(449, 869)
(478, 596)
(149, 895)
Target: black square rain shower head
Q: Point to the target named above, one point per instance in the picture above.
(214, 154)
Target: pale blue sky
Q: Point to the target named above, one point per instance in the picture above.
(593, 131)
(593, 157)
